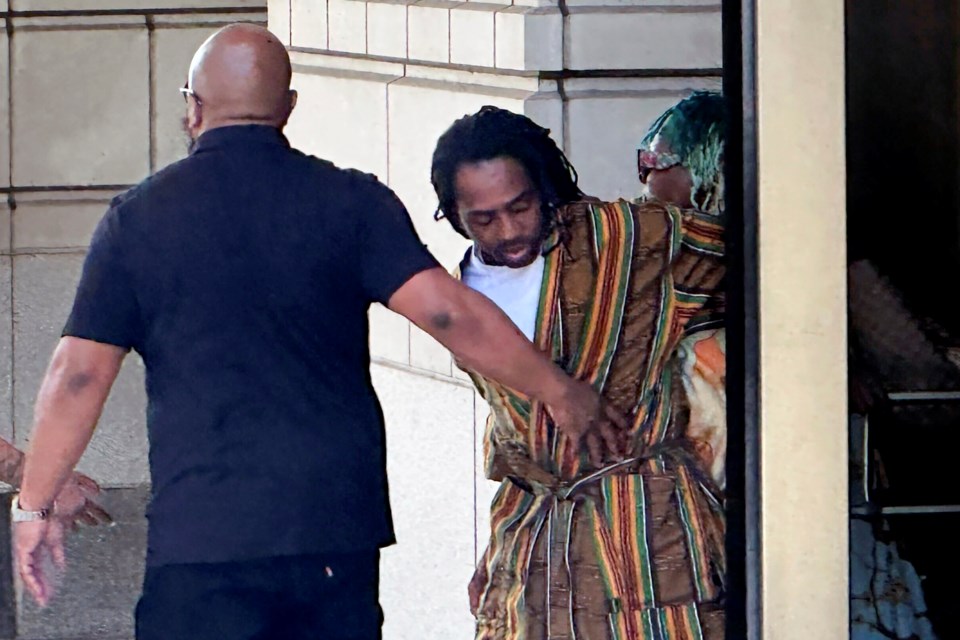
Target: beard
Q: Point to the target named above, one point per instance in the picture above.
(514, 254)
(189, 140)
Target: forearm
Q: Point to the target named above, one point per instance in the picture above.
(68, 407)
(484, 339)
(11, 464)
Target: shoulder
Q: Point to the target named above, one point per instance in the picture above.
(654, 219)
(353, 187)
(175, 178)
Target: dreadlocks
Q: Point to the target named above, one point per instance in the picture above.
(494, 133)
(693, 129)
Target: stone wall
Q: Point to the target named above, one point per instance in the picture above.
(379, 81)
(88, 107)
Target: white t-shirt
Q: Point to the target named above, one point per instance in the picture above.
(515, 291)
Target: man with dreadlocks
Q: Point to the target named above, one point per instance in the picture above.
(621, 542)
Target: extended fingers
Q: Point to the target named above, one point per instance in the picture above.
(99, 513)
(87, 484)
(34, 581)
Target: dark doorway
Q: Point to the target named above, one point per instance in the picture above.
(903, 164)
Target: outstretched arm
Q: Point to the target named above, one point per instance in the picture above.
(484, 339)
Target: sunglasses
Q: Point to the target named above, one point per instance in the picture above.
(649, 161)
(187, 93)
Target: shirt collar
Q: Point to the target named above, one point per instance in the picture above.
(239, 134)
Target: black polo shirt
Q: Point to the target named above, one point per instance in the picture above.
(243, 275)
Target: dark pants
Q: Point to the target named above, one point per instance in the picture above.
(310, 597)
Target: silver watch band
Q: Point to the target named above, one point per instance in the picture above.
(22, 515)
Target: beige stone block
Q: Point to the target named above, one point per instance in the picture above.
(342, 117)
(332, 62)
(529, 38)
(212, 20)
(460, 374)
(5, 228)
(389, 335)
(472, 35)
(136, 5)
(44, 287)
(419, 113)
(428, 354)
(43, 221)
(605, 129)
(387, 29)
(646, 39)
(308, 23)
(6, 350)
(278, 19)
(546, 109)
(81, 112)
(430, 463)
(4, 108)
(172, 51)
(428, 30)
(348, 26)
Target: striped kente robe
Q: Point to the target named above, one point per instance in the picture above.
(634, 550)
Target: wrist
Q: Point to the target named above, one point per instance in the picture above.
(555, 388)
(28, 504)
(21, 513)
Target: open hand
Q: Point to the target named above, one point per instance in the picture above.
(75, 504)
(39, 555)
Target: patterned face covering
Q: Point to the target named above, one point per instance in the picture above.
(648, 161)
(693, 131)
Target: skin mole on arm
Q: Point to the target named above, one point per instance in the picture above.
(441, 320)
(77, 382)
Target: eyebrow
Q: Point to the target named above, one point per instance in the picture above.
(485, 212)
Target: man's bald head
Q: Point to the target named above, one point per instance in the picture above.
(241, 74)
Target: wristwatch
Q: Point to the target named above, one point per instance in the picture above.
(22, 515)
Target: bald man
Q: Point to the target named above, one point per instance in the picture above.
(242, 276)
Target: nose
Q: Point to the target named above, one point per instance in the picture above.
(510, 228)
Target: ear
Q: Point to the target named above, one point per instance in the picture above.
(292, 94)
(194, 116)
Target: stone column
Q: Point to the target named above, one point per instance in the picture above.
(88, 107)
(379, 81)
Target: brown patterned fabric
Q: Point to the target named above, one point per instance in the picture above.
(661, 574)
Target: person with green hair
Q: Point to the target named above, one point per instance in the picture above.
(680, 159)
(680, 162)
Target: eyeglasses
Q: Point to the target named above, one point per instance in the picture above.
(649, 161)
(187, 92)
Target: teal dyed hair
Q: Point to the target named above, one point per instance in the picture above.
(693, 130)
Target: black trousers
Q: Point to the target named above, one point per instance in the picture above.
(309, 597)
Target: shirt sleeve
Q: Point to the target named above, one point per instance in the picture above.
(699, 270)
(391, 251)
(105, 308)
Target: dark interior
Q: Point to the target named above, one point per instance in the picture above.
(903, 208)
